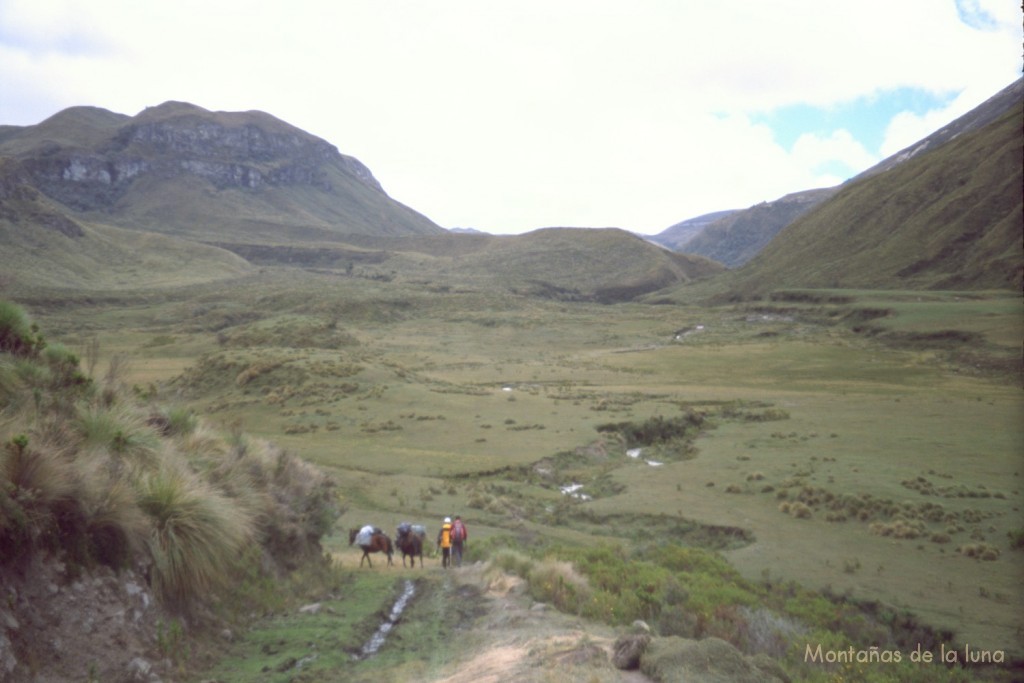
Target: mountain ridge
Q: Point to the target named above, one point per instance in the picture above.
(737, 237)
(949, 219)
(102, 165)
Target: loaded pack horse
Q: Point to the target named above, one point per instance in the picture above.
(371, 540)
(410, 540)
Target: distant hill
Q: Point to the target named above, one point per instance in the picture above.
(606, 265)
(737, 237)
(570, 264)
(677, 236)
(949, 217)
(222, 177)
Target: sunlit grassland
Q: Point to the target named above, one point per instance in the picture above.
(438, 393)
(863, 420)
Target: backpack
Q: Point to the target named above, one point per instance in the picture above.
(458, 531)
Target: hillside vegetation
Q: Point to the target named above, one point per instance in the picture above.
(949, 218)
(94, 477)
(735, 239)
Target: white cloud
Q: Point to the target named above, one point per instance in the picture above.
(512, 116)
(814, 152)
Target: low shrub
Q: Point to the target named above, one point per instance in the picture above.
(557, 582)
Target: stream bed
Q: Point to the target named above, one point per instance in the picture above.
(380, 636)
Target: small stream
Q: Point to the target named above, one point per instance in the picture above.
(377, 639)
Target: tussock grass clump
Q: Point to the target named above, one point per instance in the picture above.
(18, 335)
(37, 498)
(901, 528)
(796, 508)
(115, 525)
(981, 551)
(557, 582)
(513, 562)
(174, 421)
(55, 502)
(121, 432)
(292, 504)
(196, 533)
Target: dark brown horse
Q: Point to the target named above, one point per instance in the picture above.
(410, 543)
(379, 543)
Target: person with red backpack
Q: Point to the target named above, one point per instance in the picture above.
(458, 536)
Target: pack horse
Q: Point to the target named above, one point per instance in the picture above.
(371, 540)
(410, 541)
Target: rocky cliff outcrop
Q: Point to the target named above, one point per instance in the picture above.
(165, 168)
(227, 154)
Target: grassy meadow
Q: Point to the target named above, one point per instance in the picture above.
(865, 443)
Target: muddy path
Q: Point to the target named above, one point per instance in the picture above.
(511, 637)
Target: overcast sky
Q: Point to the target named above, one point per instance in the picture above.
(508, 116)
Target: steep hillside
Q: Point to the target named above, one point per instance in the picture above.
(950, 218)
(676, 236)
(44, 248)
(736, 238)
(209, 176)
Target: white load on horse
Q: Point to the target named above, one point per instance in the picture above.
(365, 535)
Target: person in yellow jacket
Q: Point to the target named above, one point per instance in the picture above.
(444, 542)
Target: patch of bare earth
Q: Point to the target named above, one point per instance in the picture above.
(518, 639)
(56, 626)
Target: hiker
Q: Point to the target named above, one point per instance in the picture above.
(444, 542)
(458, 536)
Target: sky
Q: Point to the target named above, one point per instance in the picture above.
(512, 116)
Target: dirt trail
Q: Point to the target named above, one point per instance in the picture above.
(517, 639)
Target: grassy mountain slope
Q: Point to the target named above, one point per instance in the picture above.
(947, 219)
(561, 263)
(737, 237)
(674, 237)
(44, 248)
(611, 264)
(218, 176)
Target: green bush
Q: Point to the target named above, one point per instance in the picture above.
(657, 429)
(18, 336)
